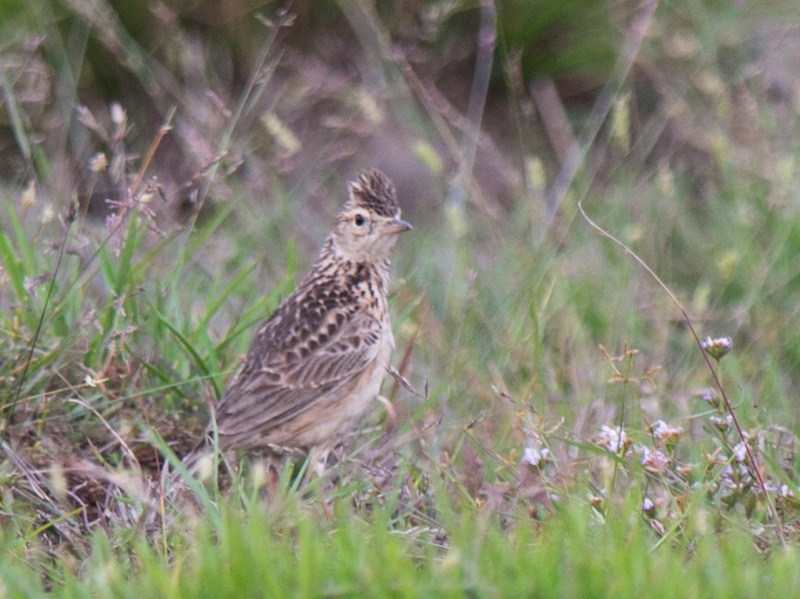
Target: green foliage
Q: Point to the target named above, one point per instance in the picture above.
(294, 554)
(560, 39)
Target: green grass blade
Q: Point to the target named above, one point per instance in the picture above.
(190, 349)
(13, 266)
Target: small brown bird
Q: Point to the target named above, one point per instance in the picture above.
(316, 365)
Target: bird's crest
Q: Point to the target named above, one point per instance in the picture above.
(374, 191)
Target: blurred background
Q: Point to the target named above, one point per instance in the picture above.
(288, 92)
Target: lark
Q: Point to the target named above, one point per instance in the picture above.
(316, 365)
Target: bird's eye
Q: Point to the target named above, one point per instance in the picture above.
(360, 219)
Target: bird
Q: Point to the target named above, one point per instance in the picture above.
(316, 365)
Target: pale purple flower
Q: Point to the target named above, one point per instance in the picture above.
(534, 456)
(654, 460)
(717, 348)
(613, 439)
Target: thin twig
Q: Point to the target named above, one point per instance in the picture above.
(165, 128)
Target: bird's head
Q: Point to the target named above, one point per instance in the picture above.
(369, 223)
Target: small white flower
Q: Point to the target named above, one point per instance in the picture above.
(665, 433)
(614, 439)
(722, 423)
(535, 456)
(740, 452)
(654, 460)
(711, 397)
(734, 479)
(717, 348)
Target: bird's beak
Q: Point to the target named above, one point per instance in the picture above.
(396, 226)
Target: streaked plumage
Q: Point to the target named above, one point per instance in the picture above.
(317, 364)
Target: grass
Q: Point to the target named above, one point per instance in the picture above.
(300, 554)
(558, 430)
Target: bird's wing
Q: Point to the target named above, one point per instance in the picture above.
(283, 377)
